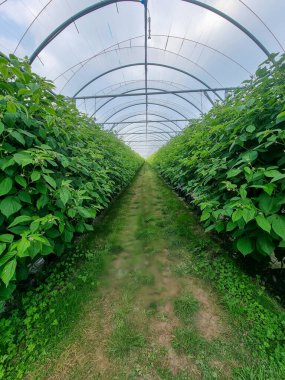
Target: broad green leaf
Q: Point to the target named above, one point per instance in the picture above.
(21, 181)
(64, 195)
(205, 215)
(233, 173)
(280, 117)
(248, 214)
(245, 245)
(6, 238)
(5, 186)
(20, 219)
(2, 248)
(23, 158)
(2, 128)
(23, 247)
(237, 215)
(8, 271)
(35, 176)
(268, 204)
(278, 225)
(9, 206)
(7, 257)
(263, 223)
(250, 128)
(50, 181)
(18, 136)
(264, 244)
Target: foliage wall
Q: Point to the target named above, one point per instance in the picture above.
(231, 162)
(57, 170)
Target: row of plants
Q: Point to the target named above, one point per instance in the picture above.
(58, 169)
(231, 164)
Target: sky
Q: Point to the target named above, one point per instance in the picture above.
(189, 48)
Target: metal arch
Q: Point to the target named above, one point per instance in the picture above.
(104, 3)
(85, 61)
(153, 128)
(143, 103)
(142, 64)
(157, 138)
(65, 24)
(116, 49)
(232, 21)
(171, 130)
(150, 88)
(165, 119)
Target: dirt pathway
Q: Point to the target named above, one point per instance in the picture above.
(148, 320)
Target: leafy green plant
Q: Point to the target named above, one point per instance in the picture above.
(231, 164)
(58, 169)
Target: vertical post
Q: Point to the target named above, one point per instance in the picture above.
(145, 68)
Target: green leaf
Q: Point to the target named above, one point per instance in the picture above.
(23, 158)
(205, 215)
(2, 248)
(263, 223)
(17, 136)
(268, 204)
(237, 215)
(249, 156)
(2, 128)
(250, 128)
(264, 244)
(5, 186)
(21, 181)
(233, 173)
(248, 214)
(64, 195)
(278, 225)
(8, 271)
(245, 245)
(35, 176)
(20, 219)
(280, 117)
(50, 181)
(23, 247)
(9, 206)
(6, 238)
(7, 257)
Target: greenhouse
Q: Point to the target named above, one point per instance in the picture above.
(142, 189)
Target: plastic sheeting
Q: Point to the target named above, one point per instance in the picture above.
(189, 47)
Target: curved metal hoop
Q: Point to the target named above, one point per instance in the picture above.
(105, 3)
(143, 64)
(143, 103)
(81, 64)
(165, 119)
(150, 88)
(154, 128)
(142, 126)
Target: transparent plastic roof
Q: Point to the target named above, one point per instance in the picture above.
(165, 58)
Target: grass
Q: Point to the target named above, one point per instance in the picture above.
(125, 292)
(185, 306)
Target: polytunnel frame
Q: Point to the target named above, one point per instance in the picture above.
(82, 63)
(155, 64)
(137, 89)
(123, 121)
(104, 3)
(142, 103)
(152, 126)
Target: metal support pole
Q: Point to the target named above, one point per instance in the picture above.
(174, 92)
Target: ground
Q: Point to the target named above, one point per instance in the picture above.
(149, 318)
